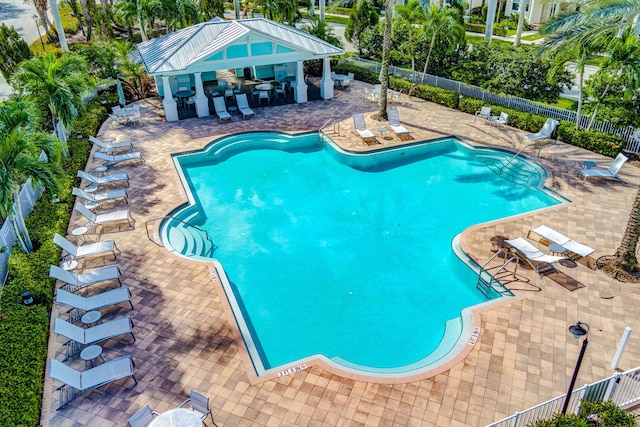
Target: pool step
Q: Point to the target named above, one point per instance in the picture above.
(514, 170)
(190, 241)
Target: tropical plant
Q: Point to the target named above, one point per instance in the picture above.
(178, 14)
(142, 11)
(57, 85)
(324, 31)
(100, 58)
(13, 50)
(20, 148)
(212, 8)
(445, 23)
(278, 10)
(130, 71)
(410, 15)
(362, 17)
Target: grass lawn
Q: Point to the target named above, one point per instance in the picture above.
(567, 104)
(479, 39)
(596, 61)
(535, 36)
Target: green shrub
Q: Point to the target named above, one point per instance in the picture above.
(339, 10)
(24, 329)
(448, 98)
(359, 73)
(598, 142)
(481, 28)
(609, 414)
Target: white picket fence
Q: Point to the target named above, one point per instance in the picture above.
(623, 389)
(626, 133)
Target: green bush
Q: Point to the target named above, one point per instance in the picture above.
(448, 98)
(481, 28)
(359, 73)
(24, 329)
(608, 413)
(598, 142)
(339, 10)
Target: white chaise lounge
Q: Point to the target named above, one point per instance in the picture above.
(75, 281)
(95, 302)
(611, 173)
(243, 105)
(76, 383)
(394, 122)
(541, 263)
(575, 249)
(110, 148)
(546, 132)
(361, 128)
(105, 179)
(92, 249)
(105, 218)
(118, 158)
(105, 196)
(83, 337)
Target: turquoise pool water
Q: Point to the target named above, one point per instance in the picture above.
(347, 256)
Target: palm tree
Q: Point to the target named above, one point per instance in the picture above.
(130, 71)
(443, 22)
(324, 31)
(386, 53)
(20, 149)
(523, 7)
(178, 14)
(144, 11)
(55, 84)
(410, 14)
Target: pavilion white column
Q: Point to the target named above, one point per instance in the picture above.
(326, 83)
(170, 106)
(202, 102)
(300, 89)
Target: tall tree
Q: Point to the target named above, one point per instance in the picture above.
(178, 14)
(130, 71)
(363, 16)
(410, 14)
(20, 148)
(13, 50)
(324, 31)
(386, 57)
(55, 84)
(443, 22)
(523, 8)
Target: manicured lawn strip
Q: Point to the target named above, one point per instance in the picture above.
(24, 330)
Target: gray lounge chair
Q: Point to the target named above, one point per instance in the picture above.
(98, 198)
(105, 218)
(103, 180)
(221, 109)
(118, 158)
(394, 122)
(546, 132)
(79, 336)
(75, 282)
(110, 148)
(92, 249)
(76, 383)
(95, 302)
(575, 249)
(361, 128)
(611, 173)
(243, 105)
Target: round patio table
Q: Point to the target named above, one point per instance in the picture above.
(177, 417)
(264, 86)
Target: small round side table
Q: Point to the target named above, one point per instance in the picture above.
(91, 317)
(557, 249)
(79, 234)
(90, 353)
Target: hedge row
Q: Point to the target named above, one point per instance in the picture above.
(481, 28)
(24, 329)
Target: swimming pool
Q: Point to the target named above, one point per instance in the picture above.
(346, 257)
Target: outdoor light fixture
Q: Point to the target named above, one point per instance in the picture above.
(578, 330)
(27, 299)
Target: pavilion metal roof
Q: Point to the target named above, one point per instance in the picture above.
(179, 50)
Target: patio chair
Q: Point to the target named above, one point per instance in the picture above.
(346, 83)
(199, 403)
(221, 109)
(368, 95)
(264, 94)
(103, 180)
(541, 263)
(85, 251)
(98, 198)
(76, 383)
(547, 132)
(499, 121)
(243, 105)
(105, 218)
(110, 148)
(611, 173)
(79, 337)
(394, 122)
(483, 113)
(95, 302)
(361, 128)
(142, 418)
(118, 158)
(279, 90)
(74, 282)
(121, 120)
(574, 249)
(396, 96)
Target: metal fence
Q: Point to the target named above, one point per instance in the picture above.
(623, 389)
(627, 133)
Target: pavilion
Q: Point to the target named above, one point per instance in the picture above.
(256, 48)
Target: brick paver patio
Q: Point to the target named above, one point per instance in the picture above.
(524, 354)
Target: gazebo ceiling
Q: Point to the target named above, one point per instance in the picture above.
(220, 44)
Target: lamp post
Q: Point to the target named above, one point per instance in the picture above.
(35, 18)
(578, 330)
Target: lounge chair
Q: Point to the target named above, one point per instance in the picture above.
(78, 281)
(103, 180)
(106, 218)
(221, 109)
(79, 336)
(95, 302)
(117, 158)
(575, 249)
(483, 113)
(97, 198)
(142, 418)
(76, 383)
(199, 403)
(394, 122)
(499, 121)
(541, 263)
(243, 105)
(611, 173)
(110, 148)
(92, 249)
(547, 132)
(361, 128)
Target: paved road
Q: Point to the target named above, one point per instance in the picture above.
(17, 13)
